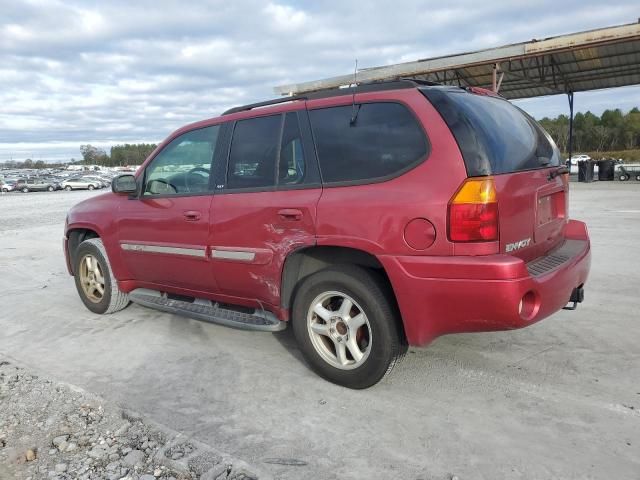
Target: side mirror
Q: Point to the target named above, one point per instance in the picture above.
(124, 184)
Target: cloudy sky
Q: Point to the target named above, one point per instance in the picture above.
(108, 72)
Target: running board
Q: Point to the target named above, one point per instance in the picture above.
(208, 311)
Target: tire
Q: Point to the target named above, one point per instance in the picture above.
(51, 189)
(4, 190)
(623, 178)
(68, 188)
(379, 340)
(25, 190)
(638, 178)
(111, 299)
(91, 187)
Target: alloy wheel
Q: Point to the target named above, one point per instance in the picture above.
(92, 278)
(339, 330)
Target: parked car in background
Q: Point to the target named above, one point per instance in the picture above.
(579, 158)
(101, 182)
(81, 183)
(55, 181)
(369, 219)
(36, 185)
(7, 185)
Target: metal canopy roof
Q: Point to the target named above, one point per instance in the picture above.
(602, 58)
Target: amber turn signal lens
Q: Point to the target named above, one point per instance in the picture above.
(476, 190)
(473, 212)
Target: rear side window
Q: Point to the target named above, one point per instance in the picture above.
(267, 151)
(291, 168)
(384, 140)
(494, 136)
(254, 150)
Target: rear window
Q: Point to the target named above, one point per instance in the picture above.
(384, 140)
(494, 136)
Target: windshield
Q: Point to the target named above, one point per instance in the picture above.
(494, 136)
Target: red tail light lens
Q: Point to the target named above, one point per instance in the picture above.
(473, 212)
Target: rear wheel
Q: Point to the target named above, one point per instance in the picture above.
(51, 189)
(25, 190)
(638, 178)
(96, 285)
(347, 326)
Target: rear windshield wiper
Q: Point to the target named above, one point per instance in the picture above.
(558, 171)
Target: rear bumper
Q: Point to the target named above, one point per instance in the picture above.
(441, 295)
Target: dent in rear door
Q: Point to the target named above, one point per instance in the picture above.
(265, 205)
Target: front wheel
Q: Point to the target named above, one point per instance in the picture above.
(51, 189)
(68, 188)
(25, 190)
(91, 187)
(96, 285)
(347, 326)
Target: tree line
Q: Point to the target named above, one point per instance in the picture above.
(28, 163)
(611, 131)
(120, 155)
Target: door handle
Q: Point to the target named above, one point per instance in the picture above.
(191, 216)
(290, 214)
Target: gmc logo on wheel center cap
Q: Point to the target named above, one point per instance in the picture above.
(518, 245)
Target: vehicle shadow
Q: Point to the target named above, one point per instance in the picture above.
(287, 340)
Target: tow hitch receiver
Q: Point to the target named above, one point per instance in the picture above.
(577, 296)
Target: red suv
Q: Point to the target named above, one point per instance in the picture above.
(370, 218)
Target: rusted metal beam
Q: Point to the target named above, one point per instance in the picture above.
(535, 49)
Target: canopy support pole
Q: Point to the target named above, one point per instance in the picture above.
(570, 141)
(496, 80)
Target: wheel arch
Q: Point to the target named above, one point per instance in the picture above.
(75, 236)
(309, 260)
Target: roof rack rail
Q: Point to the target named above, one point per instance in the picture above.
(275, 101)
(363, 87)
(420, 81)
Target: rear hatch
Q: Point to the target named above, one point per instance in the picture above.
(500, 140)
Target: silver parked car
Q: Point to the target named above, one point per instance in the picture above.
(81, 183)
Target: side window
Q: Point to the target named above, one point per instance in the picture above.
(291, 169)
(254, 150)
(384, 140)
(184, 165)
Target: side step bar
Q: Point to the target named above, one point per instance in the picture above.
(208, 311)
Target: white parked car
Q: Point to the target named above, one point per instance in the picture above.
(579, 158)
(7, 185)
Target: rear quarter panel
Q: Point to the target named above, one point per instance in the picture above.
(372, 217)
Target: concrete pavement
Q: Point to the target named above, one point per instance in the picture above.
(558, 400)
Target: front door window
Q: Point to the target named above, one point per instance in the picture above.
(183, 167)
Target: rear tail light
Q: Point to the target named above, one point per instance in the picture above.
(473, 212)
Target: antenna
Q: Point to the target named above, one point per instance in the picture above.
(354, 111)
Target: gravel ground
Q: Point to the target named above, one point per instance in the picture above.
(55, 431)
